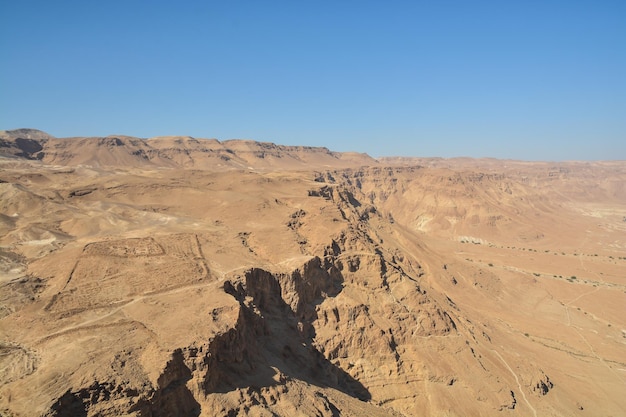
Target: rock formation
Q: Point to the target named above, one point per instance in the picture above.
(190, 277)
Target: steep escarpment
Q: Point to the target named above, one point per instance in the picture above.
(389, 317)
(517, 205)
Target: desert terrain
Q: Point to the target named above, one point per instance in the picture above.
(192, 277)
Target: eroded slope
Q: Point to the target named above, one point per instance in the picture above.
(163, 292)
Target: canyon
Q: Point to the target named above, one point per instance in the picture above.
(194, 277)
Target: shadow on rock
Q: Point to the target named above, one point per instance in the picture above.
(171, 398)
(273, 339)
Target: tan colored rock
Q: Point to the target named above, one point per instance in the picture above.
(180, 276)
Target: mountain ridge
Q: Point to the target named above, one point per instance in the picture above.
(170, 152)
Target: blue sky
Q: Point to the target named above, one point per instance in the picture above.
(534, 80)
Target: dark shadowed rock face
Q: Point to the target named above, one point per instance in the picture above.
(23, 143)
(31, 134)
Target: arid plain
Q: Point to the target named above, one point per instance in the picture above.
(181, 276)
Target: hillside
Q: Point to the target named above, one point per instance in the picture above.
(170, 152)
(193, 277)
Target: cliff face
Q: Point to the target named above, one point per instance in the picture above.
(394, 291)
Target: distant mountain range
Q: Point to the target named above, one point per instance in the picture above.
(170, 151)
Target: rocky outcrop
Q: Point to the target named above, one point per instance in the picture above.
(541, 384)
(170, 397)
(269, 346)
(23, 143)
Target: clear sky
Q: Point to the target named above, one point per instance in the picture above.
(535, 80)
